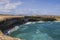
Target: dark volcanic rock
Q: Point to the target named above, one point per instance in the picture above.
(10, 23)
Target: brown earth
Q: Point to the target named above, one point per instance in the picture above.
(8, 17)
(4, 17)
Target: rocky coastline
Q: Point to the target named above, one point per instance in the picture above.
(9, 22)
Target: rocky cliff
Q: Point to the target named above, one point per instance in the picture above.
(9, 22)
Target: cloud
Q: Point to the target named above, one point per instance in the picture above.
(7, 6)
(29, 11)
(3, 0)
(12, 5)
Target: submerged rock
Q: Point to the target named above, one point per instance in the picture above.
(4, 37)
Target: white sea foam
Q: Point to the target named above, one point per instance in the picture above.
(40, 21)
(13, 29)
(34, 22)
(28, 23)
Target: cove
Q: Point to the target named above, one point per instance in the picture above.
(38, 31)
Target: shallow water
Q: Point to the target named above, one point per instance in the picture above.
(38, 31)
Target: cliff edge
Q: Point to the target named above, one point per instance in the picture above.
(8, 22)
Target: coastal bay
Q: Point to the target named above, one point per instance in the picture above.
(8, 22)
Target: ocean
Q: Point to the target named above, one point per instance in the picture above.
(38, 31)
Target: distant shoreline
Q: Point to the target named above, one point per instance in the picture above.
(6, 16)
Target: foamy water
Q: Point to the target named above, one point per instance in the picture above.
(38, 31)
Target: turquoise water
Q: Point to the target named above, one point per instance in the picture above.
(38, 31)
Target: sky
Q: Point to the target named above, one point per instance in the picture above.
(30, 7)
